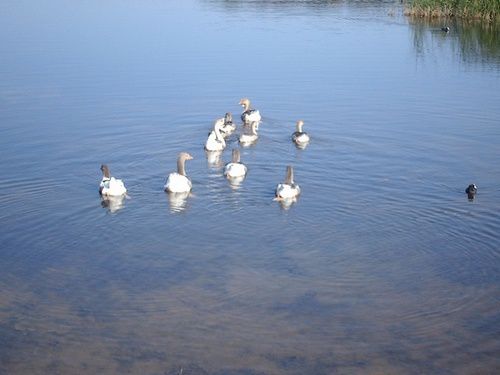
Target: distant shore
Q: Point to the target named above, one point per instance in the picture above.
(472, 9)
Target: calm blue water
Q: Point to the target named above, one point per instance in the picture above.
(382, 266)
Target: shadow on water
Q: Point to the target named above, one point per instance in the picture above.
(475, 41)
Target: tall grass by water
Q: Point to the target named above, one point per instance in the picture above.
(478, 9)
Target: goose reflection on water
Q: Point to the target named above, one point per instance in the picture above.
(178, 201)
(214, 159)
(113, 203)
(249, 136)
(235, 182)
(301, 146)
(286, 204)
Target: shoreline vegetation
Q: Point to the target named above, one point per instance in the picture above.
(488, 10)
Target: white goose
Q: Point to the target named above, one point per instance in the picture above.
(248, 139)
(235, 169)
(215, 141)
(228, 127)
(300, 137)
(249, 115)
(178, 182)
(110, 186)
(287, 190)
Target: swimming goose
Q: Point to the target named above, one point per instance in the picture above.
(300, 137)
(249, 115)
(248, 139)
(215, 141)
(288, 189)
(178, 182)
(228, 127)
(110, 186)
(235, 168)
(471, 191)
(446, 29)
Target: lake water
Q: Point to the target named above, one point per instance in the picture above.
(382, 266)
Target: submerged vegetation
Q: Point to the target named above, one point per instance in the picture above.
(478, 9)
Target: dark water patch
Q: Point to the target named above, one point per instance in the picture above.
(306, 304)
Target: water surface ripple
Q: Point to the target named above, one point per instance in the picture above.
(381, 266)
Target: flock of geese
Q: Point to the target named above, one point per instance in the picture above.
(179, 184)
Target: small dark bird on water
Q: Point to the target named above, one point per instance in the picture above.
(445, 29)
(471, 191)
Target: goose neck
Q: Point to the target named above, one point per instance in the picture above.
(218, 135)
(236, 156)
(289, 175)
(105, 172)
(181, 166)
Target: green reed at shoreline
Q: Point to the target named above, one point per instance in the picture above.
(480, 9)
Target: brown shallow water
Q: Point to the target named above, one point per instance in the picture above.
(382, 266)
